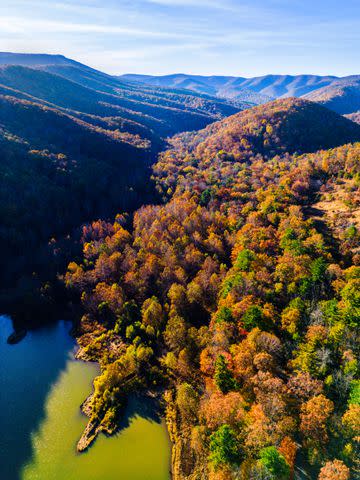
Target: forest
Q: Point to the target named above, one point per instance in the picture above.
(235, 299)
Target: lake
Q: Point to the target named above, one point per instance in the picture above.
(41, 389)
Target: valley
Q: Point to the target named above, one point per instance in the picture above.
(75, 145)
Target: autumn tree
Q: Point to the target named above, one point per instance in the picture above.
(314, 417)
(187, 401)
(335, 470)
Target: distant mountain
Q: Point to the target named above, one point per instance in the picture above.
(75, 145)
(260, 90)
(257, 89)
(283, 86)
(220, 86)
(342, 96)
(197, 83)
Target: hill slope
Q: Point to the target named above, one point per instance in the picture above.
(282, 127)
(290, 125)
(57, 172)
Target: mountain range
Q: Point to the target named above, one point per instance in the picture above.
(339, 94)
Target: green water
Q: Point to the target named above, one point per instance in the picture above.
(41, 389)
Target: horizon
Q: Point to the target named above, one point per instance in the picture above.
(179, 73)
(236, 38)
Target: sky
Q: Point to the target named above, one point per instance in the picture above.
(209, 37)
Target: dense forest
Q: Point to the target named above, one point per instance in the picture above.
(75, 145)
(236, 299)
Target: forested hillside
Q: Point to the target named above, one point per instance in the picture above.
(75, 145)
(237, 299)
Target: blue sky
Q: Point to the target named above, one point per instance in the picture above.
(229, 37)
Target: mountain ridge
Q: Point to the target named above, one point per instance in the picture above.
(257, 89)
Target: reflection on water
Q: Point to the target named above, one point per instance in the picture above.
(41, 389)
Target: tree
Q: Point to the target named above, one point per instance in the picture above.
(290, 319)
(335, 470)
(314, 416)
(273, 461)
(288, 450)
(219, 408)
(244, 259)
(351, 420)
(223, 447)
(187, 401)
(354, 397)
(302, 386)
(318, 269)
(254, 317)
(223, 376)
(224, 315)
(350, 295)
(152, 312)
(205, 197)
(175, 333)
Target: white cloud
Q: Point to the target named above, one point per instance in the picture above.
(221, 4)
(12, 24)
